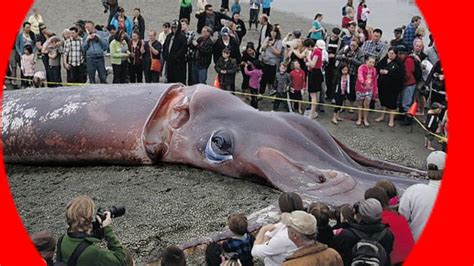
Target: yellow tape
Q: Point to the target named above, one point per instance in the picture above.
(442, 138)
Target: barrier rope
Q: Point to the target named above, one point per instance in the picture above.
(441, 138)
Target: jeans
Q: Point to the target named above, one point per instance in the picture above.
(407, 97)
(200, 74)
(96, 64)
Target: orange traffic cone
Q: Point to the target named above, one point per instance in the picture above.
(217, 83)
(413, 109)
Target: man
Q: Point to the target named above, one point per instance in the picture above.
(211, 19)
(229, 42)
(112, 6)
(73, 57)
(24, 38)
(398, 40)
(265, 31)
(368, 216)
(185, 9)
(35, 20)
(203, 47)
(190, 38)
(334, 45)
(151, 50)
(410, 81)
(375, 47)
(409, 34)
(302, 229)
(95, 45)
(418, 200)
(166, 30)
(174, 54)
(80, 214)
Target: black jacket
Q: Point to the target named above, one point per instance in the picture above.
(204, 51)
(140, 27)
(267, 34)
(217, 21)
(177, 54)
(233, 47)
(346, 239)
(241, 29)
(231, 68)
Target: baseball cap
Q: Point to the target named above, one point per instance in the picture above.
(436, 158)
(370, 211)
(225, 31)
(321, 44)
(175, 24)
(402, 49)
(303, 222)
(399, 30)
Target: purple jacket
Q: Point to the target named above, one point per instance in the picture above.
(255, 77)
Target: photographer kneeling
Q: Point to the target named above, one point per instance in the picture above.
(80, 246)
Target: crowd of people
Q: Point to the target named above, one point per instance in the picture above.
(381, 229)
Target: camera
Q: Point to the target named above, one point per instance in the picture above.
(115, 211)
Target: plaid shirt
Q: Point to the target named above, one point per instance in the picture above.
(409, 36)
(190, 37)
(241, 246)
(74, 52)
(374, 49)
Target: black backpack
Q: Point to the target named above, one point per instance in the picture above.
(75, 254)
(368, 250)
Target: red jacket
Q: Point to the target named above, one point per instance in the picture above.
(409, 63)
(403, 238)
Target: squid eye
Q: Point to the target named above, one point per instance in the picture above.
(219, 147)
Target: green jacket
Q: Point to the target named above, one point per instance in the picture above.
(93, 255)
(186, 3)
(116, 53)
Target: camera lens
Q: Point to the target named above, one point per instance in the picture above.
(117, 211)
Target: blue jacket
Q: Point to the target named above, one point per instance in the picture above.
(267, 3)
(19, 45)
(128, 24)
(97, 47)
(235, 8)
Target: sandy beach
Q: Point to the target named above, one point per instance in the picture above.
(173, 204)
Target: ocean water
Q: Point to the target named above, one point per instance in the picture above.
(385, 14)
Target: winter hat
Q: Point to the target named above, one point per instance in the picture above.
(370, 211)
(302, 222)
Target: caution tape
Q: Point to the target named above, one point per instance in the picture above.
(441, 138)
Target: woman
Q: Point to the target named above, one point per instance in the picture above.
(317, 31)
(366, 89)
(348, 18)
(80, 216)
(119, 54)
(122, 22)
(254, 11)
(138, 23)
(298, 53)
(348, 4)
(390, 83)
(419, 35)
(249, 56)
(315, 76)
(53, 48)
(360, 8)
(240, 26)
(136, 58)
(271, 51)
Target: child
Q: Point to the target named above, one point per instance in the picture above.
(39, 79)
(341, 90)
(366, 89)
(254, 11)
(298, 83)
(432, 124)
(255, 73)
(235, 8)
(27, 65)
(280, 85)
(226, 68)
(242, 242)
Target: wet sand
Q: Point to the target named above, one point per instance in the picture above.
(173, 204)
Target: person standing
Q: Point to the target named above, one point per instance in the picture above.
(190, 60)
(229, 42)
(138, 23)
(174, 54)
(317, 31)
(211, 19)
(410, 31)
(226, 68)
(112, 7)
(136, 58)
(315, 76)
(366, 89)
(166, 30)
(53, 48)
(249, 56)
(28, 63)
(409, 82)
(254, 11)
(35, 20)
(390, 83)
(398, 39)
(151, 51)
(265, 31)
(94, 47)
(122, 22)
(240, 26)
(203, 56)
(334, 45)
(375, 47)
(418, 200)
(348, 4)
(266, 6)
(119, 54)
(73, 57)
(41, 38)
(185, 9)
(24, 38)
(271, 51)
